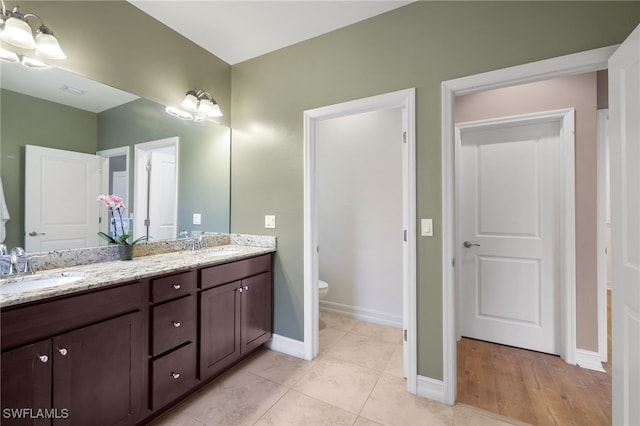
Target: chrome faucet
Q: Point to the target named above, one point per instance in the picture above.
(13, 259)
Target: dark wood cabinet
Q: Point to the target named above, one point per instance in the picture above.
(91, 374)
(235, 318)
(26, 383)
(122, 354)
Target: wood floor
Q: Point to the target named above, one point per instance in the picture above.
(533, 387)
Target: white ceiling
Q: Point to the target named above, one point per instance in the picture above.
(48, 84)
(239, 30)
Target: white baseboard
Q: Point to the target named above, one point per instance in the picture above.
(431, 389)
(363, 314)
(286, 345)
(589, 359)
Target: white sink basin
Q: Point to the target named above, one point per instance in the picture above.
(225, 251)
(38, 281)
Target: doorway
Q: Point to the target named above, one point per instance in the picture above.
(405, 100)
(557, 67)
(515, 226)
(156, 190)
(115, 180)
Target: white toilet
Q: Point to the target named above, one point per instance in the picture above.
(323, 289)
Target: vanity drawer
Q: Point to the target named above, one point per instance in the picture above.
(173, 375)
(172, 286)
(222, 274)
(173, 323)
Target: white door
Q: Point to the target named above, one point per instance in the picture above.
(155, 192)
(61, 211)
(509, 231)
(624, 137)
(120, 185)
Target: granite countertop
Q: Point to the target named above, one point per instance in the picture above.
(119, 271)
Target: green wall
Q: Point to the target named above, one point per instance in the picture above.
(419, 45)
(30, 121)
(203, 156)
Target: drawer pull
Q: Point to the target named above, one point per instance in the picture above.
(176, 324)
(63, 351)
(176, 376)
(43, 358)
(177, 286)
(246, 287)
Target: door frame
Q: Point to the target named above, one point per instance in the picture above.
(400, 99)
(566, 227)
(602, 118)
(577, 63)
(140, 149)
(106, 155)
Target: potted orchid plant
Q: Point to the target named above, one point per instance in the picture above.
(114, 204)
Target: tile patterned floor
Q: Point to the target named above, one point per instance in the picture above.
(356, 380)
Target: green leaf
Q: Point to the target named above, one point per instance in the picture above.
(107, 238)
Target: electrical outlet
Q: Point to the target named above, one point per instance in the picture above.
(269, 221)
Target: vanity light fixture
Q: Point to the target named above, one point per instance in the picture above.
(15, 30)
(197, 105)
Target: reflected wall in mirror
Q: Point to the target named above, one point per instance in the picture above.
(30, 116)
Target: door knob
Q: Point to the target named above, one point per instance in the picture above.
(35, 234)
(468, 244)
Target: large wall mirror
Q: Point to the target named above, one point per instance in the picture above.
(140, 151)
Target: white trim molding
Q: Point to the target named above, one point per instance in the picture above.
(363, 314)
(286, 345)
(589, 359)
(404, 99)
(589, 61)
(602, 191)
(431, 388)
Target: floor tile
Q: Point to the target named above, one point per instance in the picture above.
(277, 367)
(465, 415)
(175, 417)
(364, 351)
(340, 383)
(329, 337)
(295, 408)
(391, 404)
(396, 363)
(382, 333)
(334, 320)
(363, 421)
(239, 398)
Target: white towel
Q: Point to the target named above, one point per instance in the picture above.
(4, 214)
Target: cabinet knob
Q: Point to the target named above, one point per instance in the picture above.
(63, 351)
(177, 286)
(246, 287)
(176, 324)
(43, 358)
(176, 376)
(239, 289)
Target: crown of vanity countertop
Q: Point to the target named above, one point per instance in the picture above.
(102, 274)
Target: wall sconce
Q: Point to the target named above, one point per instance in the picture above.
(16, 31)
(198, 105)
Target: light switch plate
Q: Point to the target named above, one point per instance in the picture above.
(427, 227)
(269, 221)
(197, 219)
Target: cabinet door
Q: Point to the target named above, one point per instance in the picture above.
(26, 384)
(219, 328)
(256, 311)
(98, 372)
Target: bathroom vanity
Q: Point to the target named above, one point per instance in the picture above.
(129, 342)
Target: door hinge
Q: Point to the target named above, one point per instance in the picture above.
(405, 235)
(147, 222)
(99, 219)
(453, 262)
(404, 137)
(405, 335)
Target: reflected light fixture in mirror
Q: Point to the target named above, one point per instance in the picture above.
(15, 30)
(198, 106)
